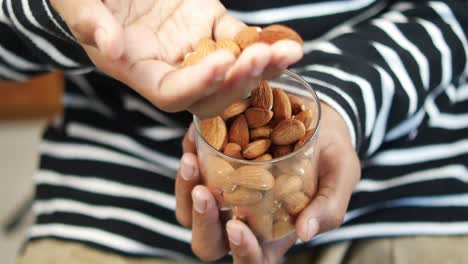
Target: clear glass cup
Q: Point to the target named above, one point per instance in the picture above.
(270, 212)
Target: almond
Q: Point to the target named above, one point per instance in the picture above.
(264, 157)
(239, 131)
(253, 177)
(306, 117)
(261, 132)
(191, 59)
(205, 46)
(257, 117)
(262, 97)
(294, 203)
(281, 105)
(242, 196)
(297, 104)
(287, 132)
(282, 32)
(279, 151)
(282, 228)
(233, 150)
(304, 139)
(214, 131)
(256, 148)
(236, 108)
(285, 184)
(215, 172)
(247, 36)
(229, 45)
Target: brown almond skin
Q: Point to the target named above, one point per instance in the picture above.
(262, 97)
(258, 117)
(286, 33)
(233, 150)
(279, 151)
(253, 177)
(264, 157)
(256, 148)
(286, 184)
(191, 59)
(214, 131)
(247, 36)
(239, 131)
(205, 46)
(294, 203)
(242, 196)
(281, 106)
(235, 109)
(261, 132)
(229, 45)
(304, 139)
(216, 174)
(287, 132)
(297, 104)
(306, 117)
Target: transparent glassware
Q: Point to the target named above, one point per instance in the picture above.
(271, 212)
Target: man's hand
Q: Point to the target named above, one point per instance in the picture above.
(141, 42)
(338, 175)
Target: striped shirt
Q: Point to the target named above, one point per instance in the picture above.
(396, 72)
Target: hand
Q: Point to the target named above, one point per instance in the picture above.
(337, 179)
(196, 208)
(140, 43)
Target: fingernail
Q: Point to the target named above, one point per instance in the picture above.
(101, 38)
(199, 204)
(187, 168)
(234, 233)
(312, 228)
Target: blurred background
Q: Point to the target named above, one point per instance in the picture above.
(25, 109)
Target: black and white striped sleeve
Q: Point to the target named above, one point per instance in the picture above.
(35, 39)
(379, 74)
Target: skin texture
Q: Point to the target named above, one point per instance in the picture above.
(196, 206)
(141, 43)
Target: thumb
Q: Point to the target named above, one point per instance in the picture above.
(92, 23)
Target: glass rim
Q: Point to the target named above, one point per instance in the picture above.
(274, 160)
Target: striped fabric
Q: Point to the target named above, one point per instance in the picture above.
(397, 73)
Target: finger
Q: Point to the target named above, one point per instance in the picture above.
(175, 90)
(275, 250)
(284, 54)
(92, 24)
(188, 144)
(208, 241)
(338, 177)
(244, 246)
(241, 79)
(187, 178)
(226, 26)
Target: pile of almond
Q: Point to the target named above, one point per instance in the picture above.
(242, 40)
(267, 125)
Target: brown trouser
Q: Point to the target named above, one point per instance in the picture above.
(426, 250)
